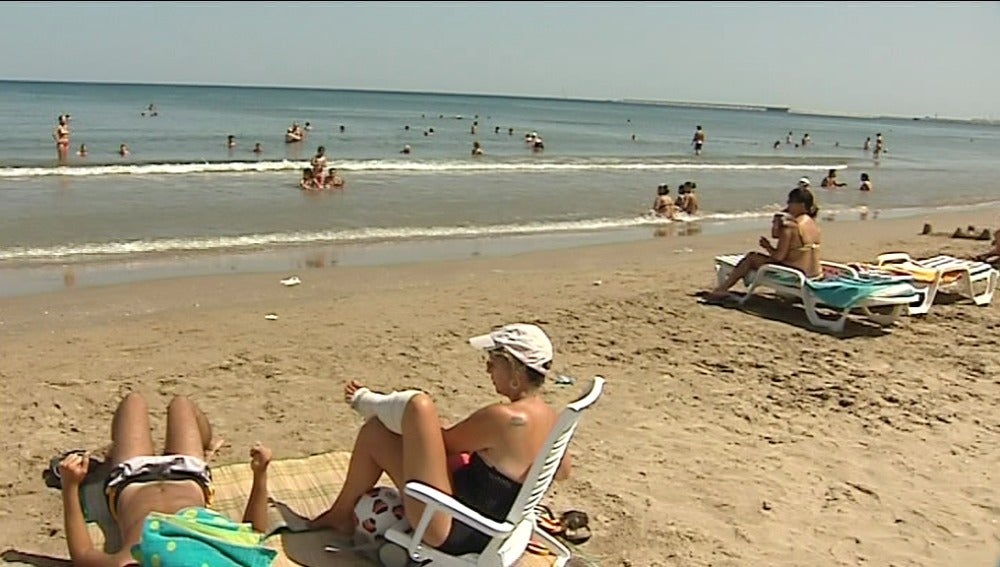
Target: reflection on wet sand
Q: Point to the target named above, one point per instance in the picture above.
(677, 229)
(321, 258)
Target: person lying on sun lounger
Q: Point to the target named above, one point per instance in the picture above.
(143, 485)
(991, 256)
(407, 441)
(797, 246)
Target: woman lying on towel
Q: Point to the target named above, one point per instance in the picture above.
(146, 491)
(797, 246)
(407, 440)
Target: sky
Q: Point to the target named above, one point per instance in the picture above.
(898, 59)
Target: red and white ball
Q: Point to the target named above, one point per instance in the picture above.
(376, 511)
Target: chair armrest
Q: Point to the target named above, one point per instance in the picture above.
(892, 257)
(778, 269)
(839, 269)
(438, 501)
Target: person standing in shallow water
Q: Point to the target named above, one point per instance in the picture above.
(61, 136)
(698, 141)
(318, 164)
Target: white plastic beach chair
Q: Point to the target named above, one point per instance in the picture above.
(510, 538)
(892, 296)
(976, 281)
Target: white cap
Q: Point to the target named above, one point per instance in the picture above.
(803, 181)
(525, 342)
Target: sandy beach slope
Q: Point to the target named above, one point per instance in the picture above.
(725, 437)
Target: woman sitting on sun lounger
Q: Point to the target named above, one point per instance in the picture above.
(797, 246)
(481, 461)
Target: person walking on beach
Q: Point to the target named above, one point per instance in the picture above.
(698, 141)
(61, 136)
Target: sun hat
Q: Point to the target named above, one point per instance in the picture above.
(804, 181)
(525, 342)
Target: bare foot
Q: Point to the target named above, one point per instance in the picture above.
(349, 389)
(339, 523)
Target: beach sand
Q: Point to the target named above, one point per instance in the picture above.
(725, 436)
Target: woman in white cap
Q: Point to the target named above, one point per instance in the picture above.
(481, 461)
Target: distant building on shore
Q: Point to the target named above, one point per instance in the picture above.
(713, 105)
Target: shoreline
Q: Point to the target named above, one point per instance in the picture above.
(28, 278)
(725, 436)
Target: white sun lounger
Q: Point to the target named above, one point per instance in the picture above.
(976, 281)
(891, 296)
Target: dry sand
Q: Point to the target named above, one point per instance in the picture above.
(725, 437)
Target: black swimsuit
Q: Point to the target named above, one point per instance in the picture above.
(487, 491)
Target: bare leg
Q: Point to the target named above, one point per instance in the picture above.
(418, 454)
(425, 459)
(130, 435)
(376, 450)
(188, 430)
(750, 262)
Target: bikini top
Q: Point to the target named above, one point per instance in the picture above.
(805, 246)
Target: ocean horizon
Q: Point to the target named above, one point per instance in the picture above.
(720, 105)
(182, 191)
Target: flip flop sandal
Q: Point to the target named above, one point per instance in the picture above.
(576, 526)
(548, 521)
(724, 301)
(536, 548)
(52, 476)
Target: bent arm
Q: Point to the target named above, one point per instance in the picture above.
(256, 511)
(565, 467)
(780, 252)
(476, 432)
(81, 547)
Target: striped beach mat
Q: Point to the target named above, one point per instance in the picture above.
(299, 488)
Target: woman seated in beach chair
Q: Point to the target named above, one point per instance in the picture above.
(797, 236)
(142, 484)
(481, 461)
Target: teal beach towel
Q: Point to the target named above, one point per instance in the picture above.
(847, 292)
(198, 537)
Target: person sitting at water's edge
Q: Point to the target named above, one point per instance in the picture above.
(663, 205)
(831, 180)
(687, 201)
(481, 461)
(798, 238)
(142, 484)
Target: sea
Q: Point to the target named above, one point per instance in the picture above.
(184, 203)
